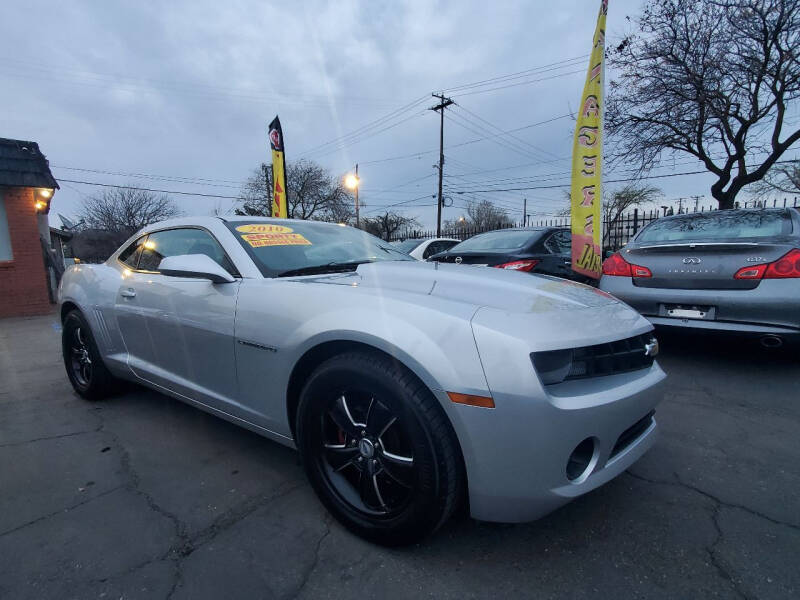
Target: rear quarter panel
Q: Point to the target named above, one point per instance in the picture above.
(93, 289)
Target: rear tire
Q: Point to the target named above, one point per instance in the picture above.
(85, 369)
(378, 449)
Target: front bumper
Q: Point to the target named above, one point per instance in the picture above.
(518, 452)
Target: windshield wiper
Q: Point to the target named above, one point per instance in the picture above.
(331, 267)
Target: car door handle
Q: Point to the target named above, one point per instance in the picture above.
(129, 293)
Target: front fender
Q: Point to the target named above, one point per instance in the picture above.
(434, 341)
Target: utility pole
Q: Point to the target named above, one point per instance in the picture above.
(680, 205)
(524, 212)
(443, 103)
(267, 186)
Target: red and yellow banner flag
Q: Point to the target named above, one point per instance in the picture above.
(586, 195)
(279, 206)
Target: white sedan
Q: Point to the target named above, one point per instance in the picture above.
(424, 249)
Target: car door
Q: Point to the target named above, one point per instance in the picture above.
(179, 332)
(558, 260)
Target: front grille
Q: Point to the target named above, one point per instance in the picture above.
(632, 433)
(611, 358)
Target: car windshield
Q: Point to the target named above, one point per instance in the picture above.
(406, 245)
(496, 241)
(718, 225)
(278, 248)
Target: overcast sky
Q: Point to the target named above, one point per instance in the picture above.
(182, 92)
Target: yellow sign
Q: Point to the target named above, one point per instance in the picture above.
(279, 201)
(259, 235)
(263, 228)
(586, 194)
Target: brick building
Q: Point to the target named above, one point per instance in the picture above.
(26, 189)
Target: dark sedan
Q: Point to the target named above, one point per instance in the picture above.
(731, 270)
(529, 249)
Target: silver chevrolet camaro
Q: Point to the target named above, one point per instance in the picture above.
(407, 387)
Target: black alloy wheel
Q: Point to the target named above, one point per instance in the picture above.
(85, 369)
(366, 456)
(80, 360)
(378, 448)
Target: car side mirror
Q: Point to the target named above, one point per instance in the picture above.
(196, 266)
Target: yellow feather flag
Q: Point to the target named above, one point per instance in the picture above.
(279, 206)
(586, 194)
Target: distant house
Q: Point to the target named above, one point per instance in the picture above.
(26, 190)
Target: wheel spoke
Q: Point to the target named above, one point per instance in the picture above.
(368, 488)
(379, 419)
(78, 338)
(340, 414)
(339, 457)
(401, 470)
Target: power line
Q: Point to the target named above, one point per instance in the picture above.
(175, 178)
(60, 74)
(131, 187)
(518, 74)
(365, 128)
(511, 135)
(510, 85)
(544, 187)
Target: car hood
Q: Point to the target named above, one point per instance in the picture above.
(479, 286)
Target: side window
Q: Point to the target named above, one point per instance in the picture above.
(559, 242)
(130, 256)
(565, 241)
(177, 242)
(433, 248)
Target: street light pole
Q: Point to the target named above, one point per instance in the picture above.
(352, 182)
(358, 220)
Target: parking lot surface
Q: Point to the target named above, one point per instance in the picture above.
(144, 497)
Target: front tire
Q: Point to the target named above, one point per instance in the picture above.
(378, 449)
(85, 369)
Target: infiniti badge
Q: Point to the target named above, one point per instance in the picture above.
(458, 260)
(691, 260)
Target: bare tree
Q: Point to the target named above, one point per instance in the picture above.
(385, 226)
(783, 179)
(629, 197)
(711, 78)
(313, 193)
(123, 211)
(618, 202)
(255, 193)
(484, 216)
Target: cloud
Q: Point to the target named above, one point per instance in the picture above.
(187, 88)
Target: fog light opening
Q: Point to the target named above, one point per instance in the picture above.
(581, 461)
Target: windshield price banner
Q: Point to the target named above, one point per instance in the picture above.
(279, 208)
(586, 194)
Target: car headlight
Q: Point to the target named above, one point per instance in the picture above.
(620, 356)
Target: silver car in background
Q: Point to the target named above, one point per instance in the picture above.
(729, 270)
(408, 387)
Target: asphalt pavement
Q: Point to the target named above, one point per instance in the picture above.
(142, 496)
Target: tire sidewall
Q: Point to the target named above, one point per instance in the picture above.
(337, 374)
(95, 387)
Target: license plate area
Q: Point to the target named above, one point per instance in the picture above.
(688, 311)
